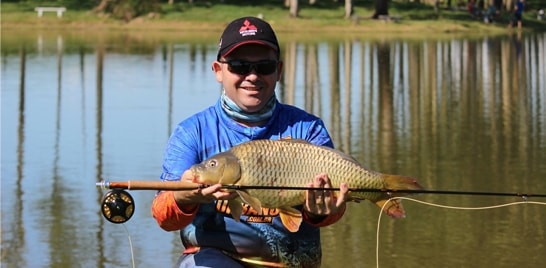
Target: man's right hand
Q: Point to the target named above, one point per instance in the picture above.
(188, 199)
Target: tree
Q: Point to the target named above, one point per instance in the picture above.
(292, 7)
(381, 8)
(348, 8)
(127, 9)
(102, 6)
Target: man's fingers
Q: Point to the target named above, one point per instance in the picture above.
(317, 182)
(310, 200)
(322, 200)
(211, 189)
(210, 193)
(343, 193)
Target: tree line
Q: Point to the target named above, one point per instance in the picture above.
(129, 9)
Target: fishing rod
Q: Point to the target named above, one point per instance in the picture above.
(183, 185)
(118, 205)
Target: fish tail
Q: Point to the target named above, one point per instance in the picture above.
(393, 207)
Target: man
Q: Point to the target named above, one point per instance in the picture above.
(518, 13)
(248, 66)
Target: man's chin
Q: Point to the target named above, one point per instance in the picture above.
(252, 107)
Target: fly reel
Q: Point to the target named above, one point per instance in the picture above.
(117, 206)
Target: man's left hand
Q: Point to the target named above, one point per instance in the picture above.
(322, 202)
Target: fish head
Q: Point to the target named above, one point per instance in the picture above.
(223, 168)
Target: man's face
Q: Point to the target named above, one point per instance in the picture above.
(245, 75)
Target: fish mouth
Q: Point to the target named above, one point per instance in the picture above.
(195, 178)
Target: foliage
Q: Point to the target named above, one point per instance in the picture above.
(531, 5)
(129, 9)
(71, 4)
(202, 13)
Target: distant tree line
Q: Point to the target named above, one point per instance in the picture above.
(129, 9)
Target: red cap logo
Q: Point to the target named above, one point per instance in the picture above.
(248, 29)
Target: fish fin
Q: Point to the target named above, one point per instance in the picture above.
(252, 201)
(291, 218)
(289, 139)
(236, 209)
(343, 156)
(396, 182)
(354, 199)
(394, 208)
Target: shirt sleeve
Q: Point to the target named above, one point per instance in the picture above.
(320, 136)
(167, 213)
(324, 221)
(179, 156)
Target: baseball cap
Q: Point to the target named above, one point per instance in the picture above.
(246, 30)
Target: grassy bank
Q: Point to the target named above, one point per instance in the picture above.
(313, 20)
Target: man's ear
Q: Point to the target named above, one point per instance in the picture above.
(217, 69)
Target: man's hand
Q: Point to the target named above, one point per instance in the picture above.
(322, 202)
(201, 195)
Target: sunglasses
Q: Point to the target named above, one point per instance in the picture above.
(263, 67)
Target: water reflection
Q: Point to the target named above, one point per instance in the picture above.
(459, 114)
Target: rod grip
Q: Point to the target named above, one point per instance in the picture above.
(149, 185)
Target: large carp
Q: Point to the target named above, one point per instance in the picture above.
(294, 163)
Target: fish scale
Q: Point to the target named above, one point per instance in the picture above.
(295, 163)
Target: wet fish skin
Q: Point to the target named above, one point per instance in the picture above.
(294, 163)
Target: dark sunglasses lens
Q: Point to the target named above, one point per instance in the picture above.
(239, 67)
(266, 67)
(243, 68)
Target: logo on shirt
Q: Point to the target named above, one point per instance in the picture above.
(252, 215)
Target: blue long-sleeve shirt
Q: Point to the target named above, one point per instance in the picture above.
(212, 131)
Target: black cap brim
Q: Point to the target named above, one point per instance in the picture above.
(233, 47)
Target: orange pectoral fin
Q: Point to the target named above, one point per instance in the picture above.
(393, 208)
(291, 218)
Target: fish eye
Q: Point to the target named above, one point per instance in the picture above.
(212, 163)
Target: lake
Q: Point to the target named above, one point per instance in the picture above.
(465, 114)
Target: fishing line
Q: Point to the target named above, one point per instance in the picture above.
(441, 206)
(130, 245)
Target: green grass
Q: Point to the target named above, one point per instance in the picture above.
(325, 18)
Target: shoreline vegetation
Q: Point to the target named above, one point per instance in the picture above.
(410, 20)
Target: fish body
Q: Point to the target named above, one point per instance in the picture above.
(294, 163)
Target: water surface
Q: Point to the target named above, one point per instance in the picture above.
(464, 114)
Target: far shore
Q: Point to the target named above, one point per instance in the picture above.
(310, 24)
